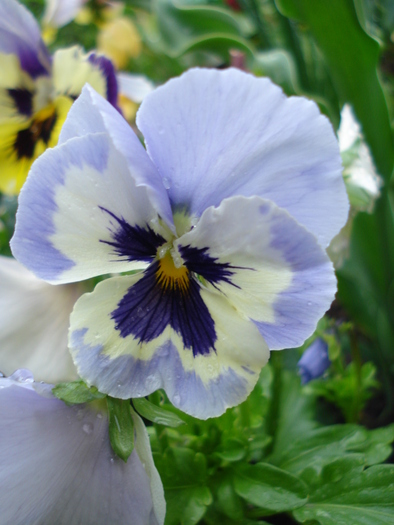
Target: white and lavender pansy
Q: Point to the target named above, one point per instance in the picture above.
(34, 321)
(57, 465)
(37, 90)
(228, 210)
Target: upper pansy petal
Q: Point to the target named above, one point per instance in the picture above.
(269, 267)
(72, 69)
(214, 134)
(20, 35)
(34, 320)
(58, 13)
(131, 336)
(91, 113)
(81, 214)
(58, 465)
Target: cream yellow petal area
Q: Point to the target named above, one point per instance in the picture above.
(268, 266)
(72, 69)
(136, 363)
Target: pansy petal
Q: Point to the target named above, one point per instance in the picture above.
(80, 214)
(58, 465)
(34, 320)
(58, 13)
(20, 35)
(21, 144)
(129, 342)
(72, 69)
(134, 87)
(268, 266)
(280, 148)
(92, 114)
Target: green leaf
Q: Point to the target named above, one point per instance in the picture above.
(325, 445)
(352, 57)
(158, 415)
(184, 477)
(76, 392)
(293, 416)
(269, 488)
(232, 449)
(347, 494)
(121, 427)
(183, 27)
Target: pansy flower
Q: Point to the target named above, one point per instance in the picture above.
(37, 90)
(57, 465)
(314, 361)
(34, 320)
(227, 214)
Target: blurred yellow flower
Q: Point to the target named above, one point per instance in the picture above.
(119, 40)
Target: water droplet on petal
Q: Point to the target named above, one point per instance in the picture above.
(23, 376)
(99, 415)
(87, 428)
(166, 183)
(176, 399)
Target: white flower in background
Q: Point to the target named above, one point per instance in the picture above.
(34, 320)
(58, 13)
(57, 465)
(361, 178)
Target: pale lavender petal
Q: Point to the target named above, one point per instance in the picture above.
(92, 114)
(270, 268)
(58, 465)
(20, 35)
(134, 87)
(34, 320)
(58, 13)
(214, 134)
(78, 200)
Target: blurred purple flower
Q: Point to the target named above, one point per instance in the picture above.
(314, 361)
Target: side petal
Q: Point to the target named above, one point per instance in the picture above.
(214, 134)
(72, 69)
(34, 320)
(80, 214)
(269, 267)
(134, 87)
(93, 114)
(165, 346)
(58, 465)
(20, 35)
(58, 13)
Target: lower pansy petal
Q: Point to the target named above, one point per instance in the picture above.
(58, 465)
(34, 320)
(268, 266)
(131, 336)
(80, 214)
